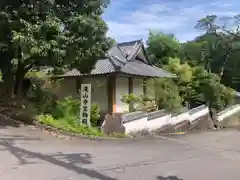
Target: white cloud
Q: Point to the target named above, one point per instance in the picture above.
(222, 4)
(121, 29)
(157, 8)
(139, 23)
(167, 17)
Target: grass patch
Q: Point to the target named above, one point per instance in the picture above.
(69, 125)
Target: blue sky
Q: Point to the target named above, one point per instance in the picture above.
(132, 19)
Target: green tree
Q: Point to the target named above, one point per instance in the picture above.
(195, 86)
(161, 46)
(184, 77)
(200, 65)
(215, 94)
(208, 24)
(219, 44)
(61, 34)
(167, 95)
(192, 53)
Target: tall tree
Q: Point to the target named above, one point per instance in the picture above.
(56, 33)
(162, 46)
(208, 24)
(219, 43)
(192, 53)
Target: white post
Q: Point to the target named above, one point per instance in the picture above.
(85, 109)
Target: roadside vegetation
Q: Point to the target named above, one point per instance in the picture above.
(64, 114)
(207, 67)
(66, 35)
(58, 34)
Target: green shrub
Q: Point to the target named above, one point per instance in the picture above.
(139, 103)
(95, 115)
(43, 98)
(66, 107)
(69, 125)
(69, 109)
(131, 100)
(167, 95)
(147, 103)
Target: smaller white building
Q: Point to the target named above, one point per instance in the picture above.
(123, 71)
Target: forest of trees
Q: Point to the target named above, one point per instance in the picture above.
(67, 34)
(60, 33)
(72, 34)
(207, 67)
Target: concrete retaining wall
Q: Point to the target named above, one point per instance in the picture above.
(134, 121)
(228, 112)
(158, 122)
(139, 121)
(180, 117)
(158, 119)
(198, 112)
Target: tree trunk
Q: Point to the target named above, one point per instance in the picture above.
(6, 67)
(19, 76)
(8, 83)
(225, 57)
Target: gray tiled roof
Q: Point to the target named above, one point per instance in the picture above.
(129, 48)
(117, 52)
(137, 68)
(118, 62)
(103, 66)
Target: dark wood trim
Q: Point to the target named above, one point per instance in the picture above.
(130, 91)
(112, 94)
(114, 108)
(130, 85)
(85, 75)
(146, 55)
(78, 85)
(144, 87)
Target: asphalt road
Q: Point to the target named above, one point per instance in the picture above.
(28, 154)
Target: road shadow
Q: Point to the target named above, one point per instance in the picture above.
(74, 158)
(6, 122)
(12, 138)
(168, 178)
(71, 161)
(14, 117)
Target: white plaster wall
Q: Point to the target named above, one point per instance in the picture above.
(136, 125)
(138, 86)
(157, 123)
(63, 88)
(67, 87)
(99, 91)
(179, 118)
(121, 88)
(154, 124)
(228, 112)
(199, 114)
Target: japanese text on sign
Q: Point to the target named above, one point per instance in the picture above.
(85, 104)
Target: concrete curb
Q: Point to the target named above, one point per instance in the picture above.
(74, 135)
